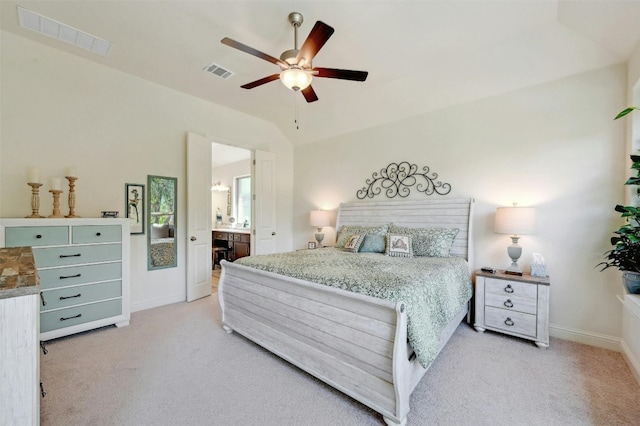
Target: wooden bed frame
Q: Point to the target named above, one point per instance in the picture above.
(355, 343)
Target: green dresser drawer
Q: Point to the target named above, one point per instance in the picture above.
(74, 255)
(96, 234)
(78, 295)
(68, 317)
(72, 275)
(34, 236)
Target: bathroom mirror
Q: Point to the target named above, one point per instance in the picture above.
(161, 222)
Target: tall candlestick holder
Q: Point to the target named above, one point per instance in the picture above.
(72, 196)
(35, 200)
(56, 202)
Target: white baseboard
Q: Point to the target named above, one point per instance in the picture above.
(585, 337)
(631, 360)
(135, 307)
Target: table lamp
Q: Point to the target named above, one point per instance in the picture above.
(516, 221)
(319, 219)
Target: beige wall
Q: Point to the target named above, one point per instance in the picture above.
(553, 146)
(59, 110)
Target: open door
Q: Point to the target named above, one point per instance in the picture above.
(198, 217)
(264, 197)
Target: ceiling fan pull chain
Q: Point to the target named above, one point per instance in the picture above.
(296, 118)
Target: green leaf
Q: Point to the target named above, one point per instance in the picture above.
(625, 112)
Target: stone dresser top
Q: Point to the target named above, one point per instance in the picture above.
(18, 275)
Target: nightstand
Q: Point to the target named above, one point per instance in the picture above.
(512, 304)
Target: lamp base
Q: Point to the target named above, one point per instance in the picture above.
(319, 237)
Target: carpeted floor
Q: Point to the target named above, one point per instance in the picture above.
(174, 365)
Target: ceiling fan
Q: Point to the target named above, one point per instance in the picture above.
(296, 70)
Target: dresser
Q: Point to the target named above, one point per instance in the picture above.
(512, 304)
(83, 265)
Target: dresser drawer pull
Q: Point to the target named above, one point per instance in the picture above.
(62, 277)
(68, 318)
(508, 303)
(508, 289)
(44, 302)
(38, 236)
(62, 256)
(98, 234)
(70, 297)
(509, 322)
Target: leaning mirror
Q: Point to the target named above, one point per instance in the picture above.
(161, 222)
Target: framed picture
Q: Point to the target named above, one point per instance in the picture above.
(135, 207)
(311, 245)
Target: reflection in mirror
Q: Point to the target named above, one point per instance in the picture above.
(161, 220)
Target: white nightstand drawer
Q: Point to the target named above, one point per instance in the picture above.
(513, 303)
(510, 321)
(511, 288)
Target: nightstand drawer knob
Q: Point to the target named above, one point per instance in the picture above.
(508, 303)
(508, 289)
(509, 322)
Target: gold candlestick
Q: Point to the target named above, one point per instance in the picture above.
(35, 200)
(56, 202)
(72, 196)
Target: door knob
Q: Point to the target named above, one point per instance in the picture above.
(273, 233)
(193, 238)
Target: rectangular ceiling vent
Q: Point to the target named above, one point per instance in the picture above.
(218, 70)
(54, 29)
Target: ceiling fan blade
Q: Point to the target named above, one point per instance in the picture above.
(309, 94)
(261, 81)
(251, 51)
(341, 74)
(314, 42)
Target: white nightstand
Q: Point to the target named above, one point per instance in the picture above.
(512, 304)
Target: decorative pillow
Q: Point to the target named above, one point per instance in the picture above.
(159, 231)
(432, 242)
(373, 243)
(399, 246)
(347, 230)
(353, 243)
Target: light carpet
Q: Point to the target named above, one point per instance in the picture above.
(174, 365)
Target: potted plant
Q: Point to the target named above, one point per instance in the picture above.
(625, 254)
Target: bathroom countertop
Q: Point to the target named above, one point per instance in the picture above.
(235, 230)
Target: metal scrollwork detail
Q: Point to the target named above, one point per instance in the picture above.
(397, 178)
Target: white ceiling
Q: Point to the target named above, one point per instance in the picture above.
(420, 55)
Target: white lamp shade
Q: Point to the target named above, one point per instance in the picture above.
(319, 218)
(515, 220)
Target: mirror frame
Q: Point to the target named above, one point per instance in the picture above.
(151, 182)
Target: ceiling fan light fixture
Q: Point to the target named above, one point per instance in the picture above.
(295, 79)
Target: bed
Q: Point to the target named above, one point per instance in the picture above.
(359, 344)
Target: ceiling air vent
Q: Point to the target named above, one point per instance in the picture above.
(218, 70)
(54, 29)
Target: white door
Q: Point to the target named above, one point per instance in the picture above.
(264, 202)
(198, 217)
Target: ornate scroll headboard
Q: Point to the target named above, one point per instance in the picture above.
(397, 179)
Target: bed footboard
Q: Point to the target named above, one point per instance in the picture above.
(316, 328)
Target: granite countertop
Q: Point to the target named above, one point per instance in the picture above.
(234, 230)
(18, 275)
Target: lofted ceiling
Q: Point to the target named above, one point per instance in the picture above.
(420, 55)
